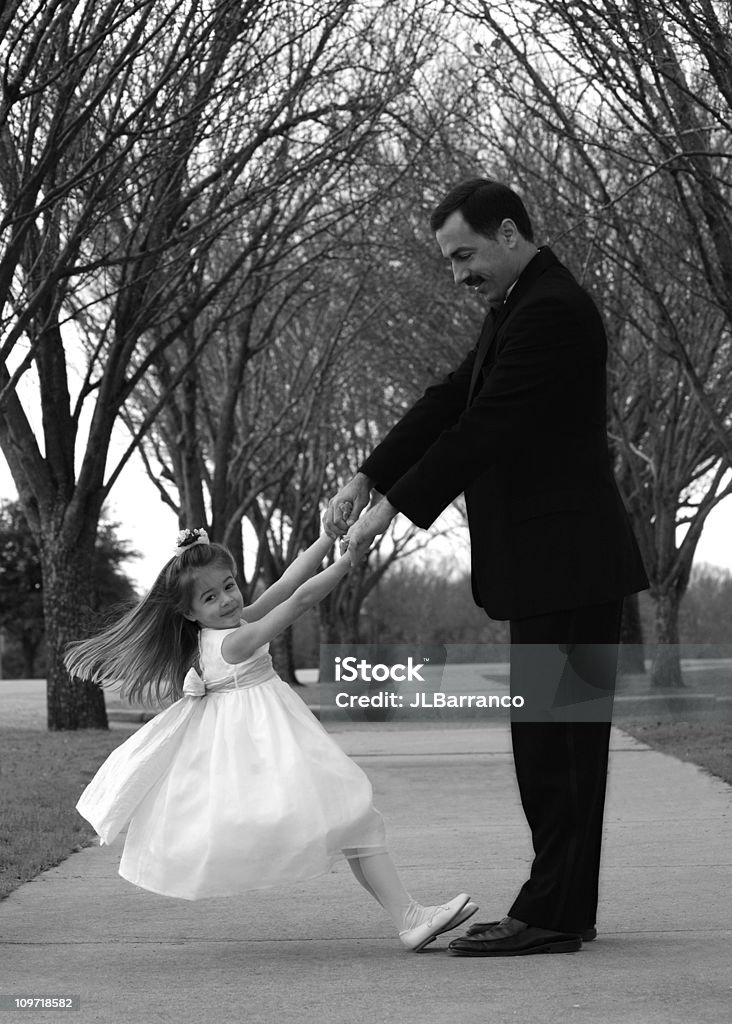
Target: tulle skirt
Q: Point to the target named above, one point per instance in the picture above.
(240, 789)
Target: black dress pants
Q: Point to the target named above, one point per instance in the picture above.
(564, 664)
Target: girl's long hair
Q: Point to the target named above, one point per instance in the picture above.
(149, 650)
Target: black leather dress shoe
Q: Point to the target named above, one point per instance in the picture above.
(530, 940)
(586, 934)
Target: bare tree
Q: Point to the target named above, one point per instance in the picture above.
(326, 307)
(133, 137)
(79, 108)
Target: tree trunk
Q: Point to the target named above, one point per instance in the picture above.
(666, 668)
(29, 648)
(72, 703)
(283, 657)
(631, 661)
(235, 545)
(326, 621)
(350, 628)
(338, 622)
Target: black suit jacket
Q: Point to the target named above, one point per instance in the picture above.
(548, 527)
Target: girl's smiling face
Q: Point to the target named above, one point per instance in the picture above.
(216, 601)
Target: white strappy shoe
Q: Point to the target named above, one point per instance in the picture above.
(437, 920)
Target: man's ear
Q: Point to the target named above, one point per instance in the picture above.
(508, 229)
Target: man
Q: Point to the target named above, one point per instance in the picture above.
(519, 427)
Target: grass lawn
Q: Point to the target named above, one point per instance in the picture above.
(698, 676)
(708, 744)
(42, 775)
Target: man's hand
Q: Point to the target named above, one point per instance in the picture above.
(347, 506)
(362, 534)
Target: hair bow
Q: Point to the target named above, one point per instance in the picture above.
(187, 538)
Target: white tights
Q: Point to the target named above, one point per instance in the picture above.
(377, 874)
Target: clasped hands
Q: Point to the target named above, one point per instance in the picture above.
(341, 520)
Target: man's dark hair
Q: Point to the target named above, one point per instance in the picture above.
(484, 204)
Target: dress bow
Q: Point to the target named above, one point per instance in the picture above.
(193, 685)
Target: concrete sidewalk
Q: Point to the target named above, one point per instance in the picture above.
(323, 952)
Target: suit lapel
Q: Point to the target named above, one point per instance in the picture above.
(487, 334)
(543, 259)
(487, 338)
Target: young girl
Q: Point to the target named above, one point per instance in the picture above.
(235, 786)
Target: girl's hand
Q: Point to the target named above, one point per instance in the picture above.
(343, 511)
(348, 504)
(345, 553)
(363, 533)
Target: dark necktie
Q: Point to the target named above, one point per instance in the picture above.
(484, 342)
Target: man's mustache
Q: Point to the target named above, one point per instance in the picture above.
(473, 281)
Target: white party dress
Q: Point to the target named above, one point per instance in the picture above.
(234, 787)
